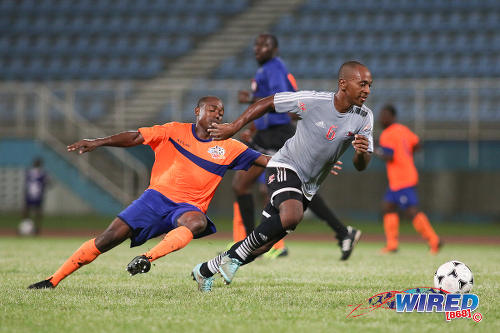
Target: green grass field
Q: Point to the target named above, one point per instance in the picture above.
(308, 291)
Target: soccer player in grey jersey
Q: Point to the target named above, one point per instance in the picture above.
(330, 122)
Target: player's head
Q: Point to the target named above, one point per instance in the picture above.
(354, 81)
(37, 162)
(265, 48)
(387, 115)
(209, 109)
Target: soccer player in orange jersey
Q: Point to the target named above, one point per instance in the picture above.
(397, 146)
(188, 168)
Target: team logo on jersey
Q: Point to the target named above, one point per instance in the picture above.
(270, 179)
(217, 152)
(349, 134)
(320, 124)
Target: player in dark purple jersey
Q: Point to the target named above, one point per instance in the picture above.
(36, 180)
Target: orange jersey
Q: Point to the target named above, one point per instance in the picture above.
(189, 169)
(401, 171)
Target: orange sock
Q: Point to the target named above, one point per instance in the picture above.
(279, 245)
(424, 228)
(84, 255)
(175, 240)
(239, 232)
(391, 228)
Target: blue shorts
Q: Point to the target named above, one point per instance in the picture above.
(262, 178)
(154, 214)
(404, 198)
(33, 203)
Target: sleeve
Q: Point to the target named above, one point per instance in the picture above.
(245, 158)
(367, 130)
(155, 135)
(412, 138)
(295, 102)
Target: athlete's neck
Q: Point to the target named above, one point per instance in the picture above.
(201, 132)
(340, 103)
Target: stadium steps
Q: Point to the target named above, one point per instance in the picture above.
(20, 153)
(115, 171)
(153, 95)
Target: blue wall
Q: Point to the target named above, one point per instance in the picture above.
(20, 153)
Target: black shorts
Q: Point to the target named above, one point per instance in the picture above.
(270, 140)
(284, 184)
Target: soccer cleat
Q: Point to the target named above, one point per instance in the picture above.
(139, 264)
(347, 243)
(45, 284)
(228, 268)
(204, 283)
(388, 250)
(276, 253)
(435, 249)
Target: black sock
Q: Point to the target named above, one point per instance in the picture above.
(321, 210)
(247, 211)
(269, 229)
(211, 267)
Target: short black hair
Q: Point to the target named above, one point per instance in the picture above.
(348, 65)
(204, 99)
(392, 110)
(38, 161)
(274, 40)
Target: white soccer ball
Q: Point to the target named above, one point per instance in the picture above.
(26, 227)
(454, 277)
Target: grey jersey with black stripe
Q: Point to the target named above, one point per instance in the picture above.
(323, 134)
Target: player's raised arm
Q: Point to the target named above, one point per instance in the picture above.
(254, 111)
(124, 139)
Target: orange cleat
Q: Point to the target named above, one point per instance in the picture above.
(388, 250)
(435, 249)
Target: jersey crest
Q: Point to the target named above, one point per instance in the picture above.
(217, 152)
(253, 86)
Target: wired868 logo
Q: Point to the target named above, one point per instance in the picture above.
(453, 305)
(424, 299)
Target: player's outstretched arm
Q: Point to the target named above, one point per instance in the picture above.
(262, 160)
(124, 139)
(254, 111)
(361, 155)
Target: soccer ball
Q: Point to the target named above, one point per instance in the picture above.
(454, 277)
(26, 228)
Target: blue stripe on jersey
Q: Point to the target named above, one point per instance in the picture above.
(212, 167)
(242, 162)
(388, 151)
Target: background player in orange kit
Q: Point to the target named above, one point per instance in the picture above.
(187, 170)
(397, 146)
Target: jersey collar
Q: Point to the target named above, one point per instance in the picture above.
(193, 129)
